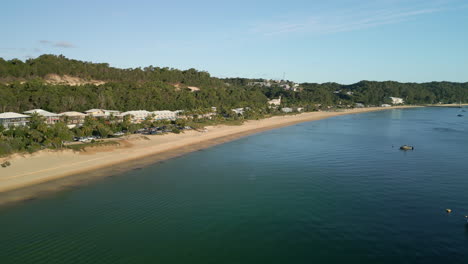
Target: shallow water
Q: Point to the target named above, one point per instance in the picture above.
(337, 191)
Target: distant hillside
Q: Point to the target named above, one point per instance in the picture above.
(45, 65)
(58, 84)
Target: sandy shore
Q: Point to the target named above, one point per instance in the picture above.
(49, 166)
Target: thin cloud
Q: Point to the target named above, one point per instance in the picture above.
(64, 44)
(344, 20)
(59, 44)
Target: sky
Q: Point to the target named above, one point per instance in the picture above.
(343, 41)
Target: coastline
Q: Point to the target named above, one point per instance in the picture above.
(46, 171)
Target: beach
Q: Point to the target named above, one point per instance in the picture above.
(37, 169)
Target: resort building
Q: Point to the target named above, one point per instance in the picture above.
(73, 119)
(95, 112)
(111, 112)
(10, 119)
(386, 105)
(275, 102)
(137, 116)
(286, 110)
(397, 100)
(102, 112)
(165, 115)
(50, 118)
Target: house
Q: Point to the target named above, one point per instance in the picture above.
(208, 115)
(73, 119)
(359, 105)
(397, 100)
(239, 111)
(11, 119)
(275, 102)
(165, 115)
(137, 116)
(262, 84)
(386, 105)
(295, 87)
(286, 110)
(300, 109)
(50, 118)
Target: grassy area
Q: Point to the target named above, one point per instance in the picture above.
(82, 147)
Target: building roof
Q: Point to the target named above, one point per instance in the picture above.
(94, 110)
(12, 115)
(135, 112)
(41, 113)
(72, 114)
(165, 112)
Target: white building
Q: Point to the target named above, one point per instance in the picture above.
(286, 110)
(239, 111)
(264, 83)
(165, 115)
(275, 102)
(386, 105)
(111, 112)
(102, 112)
(95, 112)
(11, 119)
(359, 105)
(50, 118)
(397, 100)
(137, 116)
(73, 119)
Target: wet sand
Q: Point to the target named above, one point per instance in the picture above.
(48, 171)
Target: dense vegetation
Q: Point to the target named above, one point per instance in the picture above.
(24, 86)
(39, 136)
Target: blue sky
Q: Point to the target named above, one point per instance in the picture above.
(342, 41)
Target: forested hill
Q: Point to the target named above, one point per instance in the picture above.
(52, 64)
(25, 86)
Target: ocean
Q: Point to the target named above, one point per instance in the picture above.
(337, 190)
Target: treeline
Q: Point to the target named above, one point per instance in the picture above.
(43, 65)
(371, 93)
(122, 96)
(22, 87)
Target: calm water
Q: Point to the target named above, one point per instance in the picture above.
(331, 191)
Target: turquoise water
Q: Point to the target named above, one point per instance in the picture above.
(332, 191)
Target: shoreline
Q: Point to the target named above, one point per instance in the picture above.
(49, 171)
